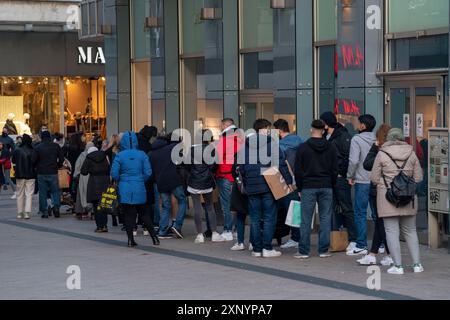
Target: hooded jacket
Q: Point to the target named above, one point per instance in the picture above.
(166, 174)
(23, 160)
(359, 149)
(7, 141)
(384, 166)
(341, 139)
(289, 145)
(131, 168)
(48, 156)
(98, 168)
(316, 165)
(201, 174)
(252, 169)
(227, 148)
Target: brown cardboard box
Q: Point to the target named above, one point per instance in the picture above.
(276, 183)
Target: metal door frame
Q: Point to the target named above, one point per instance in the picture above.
(412, 83)
(258, 97)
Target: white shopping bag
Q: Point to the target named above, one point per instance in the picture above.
(294, 215)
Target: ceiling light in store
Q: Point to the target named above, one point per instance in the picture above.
(67, 82)
(103, 79)
(20, 78)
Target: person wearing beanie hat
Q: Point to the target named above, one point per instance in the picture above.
(360, 179)
(397, 156)
(25, 177)
(48, 158)
(339, 136)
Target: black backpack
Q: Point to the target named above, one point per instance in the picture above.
(402, 190)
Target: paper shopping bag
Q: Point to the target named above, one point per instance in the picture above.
(294, 216)
(338, 241)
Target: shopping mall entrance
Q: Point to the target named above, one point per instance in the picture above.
(415, 104)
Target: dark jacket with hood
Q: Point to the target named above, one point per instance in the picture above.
(48, 156)
(98, 168)
(7, 142)
(316, 165)
(167, 177)
(131, 168)
(251, 171)
(144, 137)
(23, 160)
(342, 140)
(201, 174)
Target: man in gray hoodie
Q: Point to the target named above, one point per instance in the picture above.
(360, 179)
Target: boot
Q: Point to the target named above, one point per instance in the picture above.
(56, 212)
(155, 240)
(132, 244)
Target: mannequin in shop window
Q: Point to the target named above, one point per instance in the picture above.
(12, 129)
(88, 121)
(25, 127)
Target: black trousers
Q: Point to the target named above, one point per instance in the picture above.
(101, 218)
(379, 235)
(131, 212)
(343, 198)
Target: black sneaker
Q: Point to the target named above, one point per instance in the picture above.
(49, 211)
(99, 230)
(44, 216)
(165, 237)
(177, 233)
(56, 212)
(207, 234)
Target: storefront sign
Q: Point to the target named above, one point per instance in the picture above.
(406, 125)
(91, 55)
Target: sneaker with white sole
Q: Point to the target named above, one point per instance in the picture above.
(418, 268)
(325, 255)
(387, 261)
(271, 254)
(14, 196)
(27, 216)
(216, 237)
(358, 252)
(238, 247)
(301, 256)
(20, 216)
(146, 233)
(200, 239)
(382, 250)
(398, 270)
(351, 247)
(228, 236)
(256, 254)
(290, 244)
(368, 260)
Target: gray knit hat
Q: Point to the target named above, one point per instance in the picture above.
(395, 134)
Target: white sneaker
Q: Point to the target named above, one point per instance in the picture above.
(381, 250)
(301, 256)
(396, 270)
(20, 216)
(418, 268)
(256, 254)
(216, 237)
(368, 260)
(26, 216)
(238, 247)
(200, 239)
(290, 244)
(146, 233)
(14, 196)
(271, 253)
(351, 247)
(135, 233)
(358, 252)
(228, 236)
(387, 261)
(250, 247)
(325, 255)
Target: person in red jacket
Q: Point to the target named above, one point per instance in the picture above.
(227, 148)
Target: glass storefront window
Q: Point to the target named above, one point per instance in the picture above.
(141, 35)
(141, 95)
(258, 70)
(422, 53)
(407, 15)
(193, 27)
(327, 78)
(326, 20)
(257, 24)
(37, 96)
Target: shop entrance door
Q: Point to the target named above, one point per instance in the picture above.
(415, 105)
(255, 107)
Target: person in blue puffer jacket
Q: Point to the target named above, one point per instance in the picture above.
(131, 169)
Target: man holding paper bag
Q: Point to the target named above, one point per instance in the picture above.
(316, 171)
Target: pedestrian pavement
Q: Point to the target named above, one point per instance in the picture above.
(35, 256)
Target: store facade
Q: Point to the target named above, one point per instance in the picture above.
(52, 79)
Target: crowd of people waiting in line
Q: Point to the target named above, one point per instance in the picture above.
(320, 172)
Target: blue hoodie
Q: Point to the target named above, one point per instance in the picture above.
(131, 168)
(289, 146)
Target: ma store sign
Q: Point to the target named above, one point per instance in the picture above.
(91, 55)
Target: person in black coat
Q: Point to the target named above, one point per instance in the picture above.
(98, 168)
(25, 177)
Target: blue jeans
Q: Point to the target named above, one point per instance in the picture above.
(285, 203)
(46, 184)
(167, 205)
(156, 210)
(262, 207)
(224, 187)
(324, 197)
(240, 228)
(362, 193)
